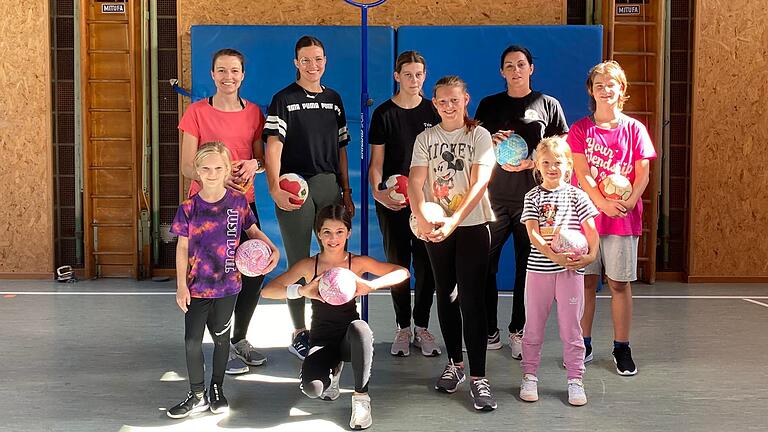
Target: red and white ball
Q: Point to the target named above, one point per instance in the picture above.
(296, 185)
(400, 182)
(252, 257)
(570, 241)
(431, 211)
(616, 187)
(338, 286)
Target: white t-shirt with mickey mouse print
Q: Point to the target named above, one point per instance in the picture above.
(449, 157)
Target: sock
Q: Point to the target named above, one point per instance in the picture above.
(617, 344)
(587, 341)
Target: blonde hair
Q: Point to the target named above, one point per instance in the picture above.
(455, 81)
(612, 69)
(557, 147)
(211, 148)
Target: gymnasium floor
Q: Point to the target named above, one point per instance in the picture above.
(107, 355)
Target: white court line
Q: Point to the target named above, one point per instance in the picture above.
(755, 302)
(501, 294)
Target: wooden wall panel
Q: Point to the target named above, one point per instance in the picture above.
(336, 12)
(26, 213)
(729, 181)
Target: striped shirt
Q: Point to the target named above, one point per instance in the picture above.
(564, 207)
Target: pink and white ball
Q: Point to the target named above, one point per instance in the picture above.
(296, 185)
(400, 193)
(252, 257)
(338, 286)
(431, 211)
(571, 242)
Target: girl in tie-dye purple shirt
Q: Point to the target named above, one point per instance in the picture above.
(213, 230)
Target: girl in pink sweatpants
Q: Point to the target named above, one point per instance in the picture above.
(555, 213)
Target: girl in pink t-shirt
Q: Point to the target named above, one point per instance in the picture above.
(604, 143)
(237, 123)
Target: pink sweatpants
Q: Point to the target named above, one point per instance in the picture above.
(567, 289)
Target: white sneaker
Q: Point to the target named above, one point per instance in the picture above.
(401, 344)
(332, 392)
(425, 340)
(516, 344)
(576, 394)
(529, 388)
(361, 412)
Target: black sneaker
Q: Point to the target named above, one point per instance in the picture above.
(300, 345)
(588, 354)
(622, 356)
(219, 403)
(194, 403)
(480, 390)
(450, 379)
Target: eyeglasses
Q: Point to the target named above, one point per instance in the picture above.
(305, 61)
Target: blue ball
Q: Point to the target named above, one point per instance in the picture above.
(511, 151)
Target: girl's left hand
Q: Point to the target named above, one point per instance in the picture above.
(627, 205)
(443, 229)
(525, 164)
(273, 260)
(349, 204)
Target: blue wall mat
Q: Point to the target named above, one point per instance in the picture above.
(562, 58)
(269, 53)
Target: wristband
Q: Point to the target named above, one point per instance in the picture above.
(292, 291)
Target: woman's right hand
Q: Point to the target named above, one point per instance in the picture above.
(281, 198)
(382, 196)
(312, 290)
(500, 136)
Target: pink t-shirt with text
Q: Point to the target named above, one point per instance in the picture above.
(237, 130)
(608, 151)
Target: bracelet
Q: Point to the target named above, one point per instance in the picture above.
(292, 291)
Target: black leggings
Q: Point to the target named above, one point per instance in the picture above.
(248, 297)
(507, 223)
(461, 261)
(216, 314)
(356, 346)
(399, 245)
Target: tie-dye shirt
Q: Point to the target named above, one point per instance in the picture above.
(213, 230)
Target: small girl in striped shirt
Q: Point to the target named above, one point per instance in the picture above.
(552, 206)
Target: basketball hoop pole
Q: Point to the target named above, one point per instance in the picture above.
(365, 103)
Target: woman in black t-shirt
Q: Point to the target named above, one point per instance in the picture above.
(306, 134)
(532, 115)
(394, 126)
(338, 334)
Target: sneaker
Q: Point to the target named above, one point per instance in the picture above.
(483, 399)
(624, 364)
(494, 341)
(332, 392)
(425, 340)
(235, 365)
(361, 412)
(300, 345)
(194, 403)
(219, 403)
(248, 354)
(576, 394)
(516, 344)
(529, 388)
(401, 344)
(450, 379)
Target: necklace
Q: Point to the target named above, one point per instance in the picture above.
(312, 95)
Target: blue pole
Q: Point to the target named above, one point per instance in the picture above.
(365, 104)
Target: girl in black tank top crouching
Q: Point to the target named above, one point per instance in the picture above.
(337, 333)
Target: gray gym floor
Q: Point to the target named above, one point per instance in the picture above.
(107, 355)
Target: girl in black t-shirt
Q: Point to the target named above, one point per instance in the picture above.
(531, 115)
(337, 334)
(394, 126)
(306, 134)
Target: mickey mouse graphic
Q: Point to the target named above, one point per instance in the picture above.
(444, 173)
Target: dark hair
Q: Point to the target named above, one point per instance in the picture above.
(228, 52)
(303, 42)
(455, 81)
(334, 212)
(409, 57)
(515, 48)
